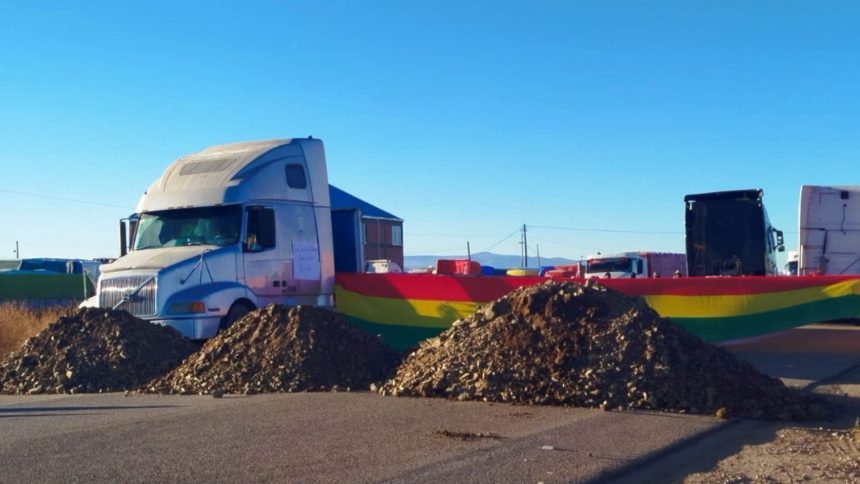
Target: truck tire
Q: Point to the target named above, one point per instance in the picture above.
(237, 311)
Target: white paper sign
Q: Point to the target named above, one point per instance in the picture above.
(306, 260)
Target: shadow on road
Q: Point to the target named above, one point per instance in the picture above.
(704, 451)
(8, 412)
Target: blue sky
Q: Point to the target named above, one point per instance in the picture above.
(465, 120)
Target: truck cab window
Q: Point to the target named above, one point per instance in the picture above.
(260, 231)
(217, 226)
(296, 176)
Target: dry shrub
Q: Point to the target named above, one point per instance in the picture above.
(19, 321)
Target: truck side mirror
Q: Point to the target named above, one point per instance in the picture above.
(780, 243)
(127, 233)
(123, 239)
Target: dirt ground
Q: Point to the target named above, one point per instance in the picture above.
(825, 452)
(796, 454)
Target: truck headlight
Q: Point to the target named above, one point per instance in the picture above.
(187, 307)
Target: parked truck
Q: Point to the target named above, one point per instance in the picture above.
(46, 282)
(829, 230)
(224, 231)
(729, 234)
(791, 263)
(636, 265)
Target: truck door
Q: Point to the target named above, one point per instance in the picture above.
(301, 252)
(262, 262)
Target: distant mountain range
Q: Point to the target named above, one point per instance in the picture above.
(498, 261)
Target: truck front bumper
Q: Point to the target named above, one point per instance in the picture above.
(202, 327)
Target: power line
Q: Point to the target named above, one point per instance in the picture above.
(552, 241)
(614, 231)
(503, 239)
(437, 251)
(516, 231)
(63, 199)
(448, 235)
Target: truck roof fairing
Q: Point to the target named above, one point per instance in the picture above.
(239, 173)
(753, 194)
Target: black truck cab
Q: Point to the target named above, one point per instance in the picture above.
(729, 234)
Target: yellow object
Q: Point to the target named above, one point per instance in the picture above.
(522, 272)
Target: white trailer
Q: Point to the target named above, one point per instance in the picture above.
(829, 230)
(223, 231)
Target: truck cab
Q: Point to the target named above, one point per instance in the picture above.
(629, 265)
(791, 263)
(617, 266)
(729, 234)
(224, 231)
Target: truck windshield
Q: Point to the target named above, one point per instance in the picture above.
(189, 226)
(618, 264)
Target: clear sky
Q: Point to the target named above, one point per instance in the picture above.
(466, 119)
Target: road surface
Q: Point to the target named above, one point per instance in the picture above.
(359, 436)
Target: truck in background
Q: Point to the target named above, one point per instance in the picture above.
(224, 231)
(52, 266)
(566, 270)
(46, 282)
(729, 234)
(380, 266)
(635, 265)
(791, 263)
(829, 230)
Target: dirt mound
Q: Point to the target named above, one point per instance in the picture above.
(93, 350)
(281, 349)
(586, 345)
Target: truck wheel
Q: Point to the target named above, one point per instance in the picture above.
(236, 312)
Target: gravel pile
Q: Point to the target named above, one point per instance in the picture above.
(586, 345)
(281, 349)
(95, 350)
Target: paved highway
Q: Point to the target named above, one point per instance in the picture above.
(347, 437)
(319, 437)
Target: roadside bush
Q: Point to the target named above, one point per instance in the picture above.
(18, 321)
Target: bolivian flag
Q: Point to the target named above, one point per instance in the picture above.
(406, 308)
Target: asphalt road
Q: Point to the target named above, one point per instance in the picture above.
(822, 358)
(319, 437)
(360, 437)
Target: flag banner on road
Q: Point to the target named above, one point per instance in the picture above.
(406, 308)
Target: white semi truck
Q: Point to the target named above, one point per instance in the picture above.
(636, 264)
(791, 263)
(829, 230)
(224, 231)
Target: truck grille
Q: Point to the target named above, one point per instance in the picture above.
(142, 303)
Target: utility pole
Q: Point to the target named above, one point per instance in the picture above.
(17, 252)
(537, 248)
(525, 261)
(468, 252)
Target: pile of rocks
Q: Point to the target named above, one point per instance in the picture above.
(281, 349)
(94, 350)
(586, 345)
